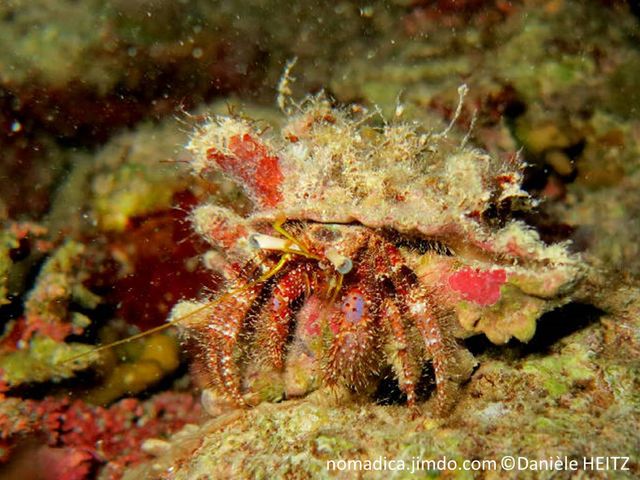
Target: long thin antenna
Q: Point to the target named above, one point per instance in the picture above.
(286, 257)
(263, 278)
(148, 332)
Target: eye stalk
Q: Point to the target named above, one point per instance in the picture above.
(267, 242)
(341, 263)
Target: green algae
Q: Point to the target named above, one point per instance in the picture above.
(58, 47)
(560, 373)
(132, 368)
(135, 174)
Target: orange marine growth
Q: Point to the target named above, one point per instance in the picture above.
(249, 162)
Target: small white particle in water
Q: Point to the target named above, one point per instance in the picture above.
(197, 53)
(16, 126)
(367, 12)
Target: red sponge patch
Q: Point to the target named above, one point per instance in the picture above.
(478, 286)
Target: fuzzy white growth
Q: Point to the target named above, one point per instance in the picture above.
(518, 235)
(284, 88)
(341, 263)
(215, 133)
(340, 166)
(462, 93)
(187, 313)
(418, 308)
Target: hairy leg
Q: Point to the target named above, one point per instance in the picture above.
(452, 363)
(353, 355)
(277, 313)
(406, 367)
(220, 337)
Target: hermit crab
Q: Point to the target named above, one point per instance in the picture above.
(371, 246)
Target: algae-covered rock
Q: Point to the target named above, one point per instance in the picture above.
(136, 173)
(60, 282)
(533, 404)
(34, 348)
(7, 242)
(43, 359)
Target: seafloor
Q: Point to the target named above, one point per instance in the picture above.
(97, 100)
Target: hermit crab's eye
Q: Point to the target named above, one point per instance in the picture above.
(341, 263)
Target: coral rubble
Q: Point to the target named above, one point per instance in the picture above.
(78, 437)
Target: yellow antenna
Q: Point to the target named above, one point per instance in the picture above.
(277, 226)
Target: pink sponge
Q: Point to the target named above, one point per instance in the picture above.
(478, 286)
